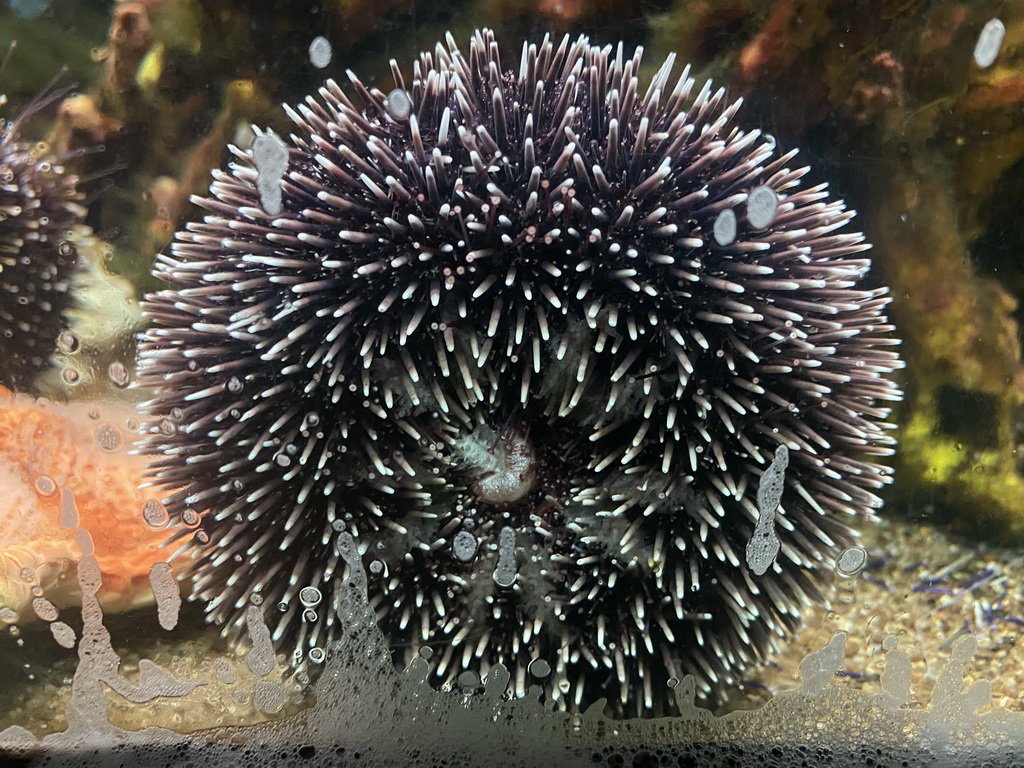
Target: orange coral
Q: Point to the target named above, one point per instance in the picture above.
(69, 485)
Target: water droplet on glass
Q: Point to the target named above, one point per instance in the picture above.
(989, 42)
(464, 546)
(505, 573)
(539, 668)
(469, 680)
(109, 438)
(235, 385)
(155, 514)
(320, 52)
(398, 105)
(851, 560)
(256, 598)
(67, 342)
(44, 609)
(317, 655)
(70, 376)
(63, 634)
(283, 460)
(309, 615)
(269, 697)
(309, 596)
(190, 518)
(45, 486)
(270, 156)
(118, 373)
(724, 228)
(762, 204)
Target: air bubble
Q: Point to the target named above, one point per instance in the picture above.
(724, 228)
(398, 105)
(851, 561)
(762, 205)
(320, 52)
(309, 596)
(155, 514)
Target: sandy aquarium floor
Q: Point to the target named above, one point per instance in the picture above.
(919, 591)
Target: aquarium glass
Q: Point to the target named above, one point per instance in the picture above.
(511, 382)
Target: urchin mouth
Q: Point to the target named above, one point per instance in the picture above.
(502, 465)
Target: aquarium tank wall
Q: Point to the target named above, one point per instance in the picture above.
(528, 383)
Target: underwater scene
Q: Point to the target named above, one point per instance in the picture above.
(511, 382)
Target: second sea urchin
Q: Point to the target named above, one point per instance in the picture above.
(39, 206)
(531, 338)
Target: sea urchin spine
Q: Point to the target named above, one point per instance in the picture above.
(531, 338)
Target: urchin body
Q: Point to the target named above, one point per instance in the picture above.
(519, 334)
(39, 206)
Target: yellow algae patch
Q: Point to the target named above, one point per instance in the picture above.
(68, 484)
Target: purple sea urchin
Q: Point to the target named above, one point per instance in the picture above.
(531, 338)
(39, 204)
